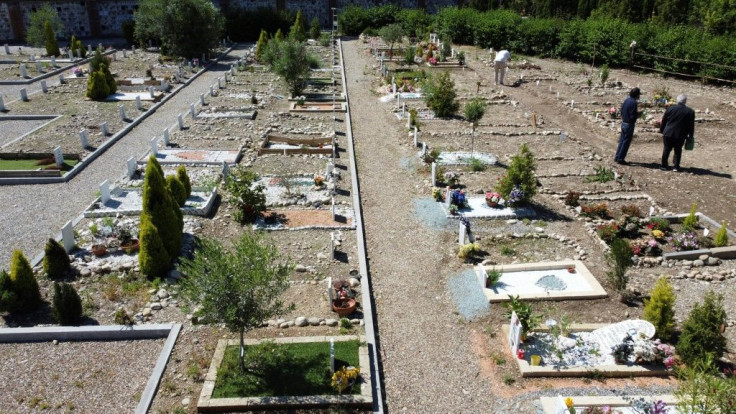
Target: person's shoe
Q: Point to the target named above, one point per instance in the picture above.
(676, 169)
(664, 167)
(622, 162)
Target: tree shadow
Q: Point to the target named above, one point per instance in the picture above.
(341, 257)
(544, 213)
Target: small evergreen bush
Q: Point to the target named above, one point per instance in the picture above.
(604, 73)
(21, 288)
(298, 31)
(97, 88)
(56, 261)
(8, 297)
(177, 189)
(701, 336)
(315, 29)
(181, 173)
(52, 46)
(440, 95)
(261, 45)
(619, 258)
(519, 174)
(660, 309)
(691, 221)
(249, 202)
(67, 305)
(721, 239)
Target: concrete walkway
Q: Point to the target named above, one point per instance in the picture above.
(33, 213)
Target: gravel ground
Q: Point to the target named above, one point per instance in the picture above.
(55, 204)
(77, 377)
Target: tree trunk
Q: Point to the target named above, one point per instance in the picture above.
(242, 350)
(472, 142)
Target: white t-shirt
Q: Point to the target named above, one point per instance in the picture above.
(502, 56)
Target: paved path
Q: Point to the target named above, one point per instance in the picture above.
(33, 213)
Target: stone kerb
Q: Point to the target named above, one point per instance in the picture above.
(207, 403)
(53, 72)
(110, 142)
(613, 401)
(106, 333)
(617, 371)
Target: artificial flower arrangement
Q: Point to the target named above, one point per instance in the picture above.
(494, 199)
(614, 112)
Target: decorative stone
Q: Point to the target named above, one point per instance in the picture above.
(314, 321)
(331, 322)
(162, 293)
(300, 268)
(146, 312)
(284, 325)
(713, 261)
(300, 321)
(703, 257)
(353, 282)
(698, 263)
(156, 306)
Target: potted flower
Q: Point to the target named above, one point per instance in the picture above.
(613, 112)
(99, 249)
(516, 196)
(453, 209)
(459, 199)
(127, 243)
(493, 199)
(319, 181)
(344, 299)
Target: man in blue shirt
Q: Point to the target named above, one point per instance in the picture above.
(629, 114)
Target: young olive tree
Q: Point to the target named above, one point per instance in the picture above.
(391, 34)
(474, 111)
(239, 287)
(290, 60)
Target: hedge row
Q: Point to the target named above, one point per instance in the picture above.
(605, 39)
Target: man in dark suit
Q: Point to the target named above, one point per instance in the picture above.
(678, 124)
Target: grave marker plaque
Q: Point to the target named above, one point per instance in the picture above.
(201, 99)
(105, 191)
(514, 333)
(58, 157)
(131, 167)
(67, 236)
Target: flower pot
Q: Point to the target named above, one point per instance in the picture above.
(344, 307)
(535, 360)
(131, 247)
(491, 204)
(99, 250)
(571, 269)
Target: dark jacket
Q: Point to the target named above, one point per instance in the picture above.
(628, 111)
(678, 122)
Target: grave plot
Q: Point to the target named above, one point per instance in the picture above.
(317, 107)
(246, 113)
(13, 67)
(14, 128)
(477, 207)
(192, 156)
(563, 280)
(617, 350)
(620, 404)
(620, 183)
(278, 144)
(129, 202)
(524, 241)
(52, 164)
(228, 134)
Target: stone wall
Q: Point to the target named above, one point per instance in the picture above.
(87, 18)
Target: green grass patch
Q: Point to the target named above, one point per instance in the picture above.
(283, 369)
(34, 164)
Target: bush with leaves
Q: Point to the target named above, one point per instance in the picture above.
(440, 95)
(77, 47)
(261, 45)
(177, 189)
(702, 389)
(290, 60)
(604, 72)
(520, 173)
(97, 88)
(181, 173)
(660, 309)
(56, 261)
(239, 287)
(36, 31)
(248, 199)
(66, 303)
(721, 239)
(52, 46)
(690, 223)
(524, 311)
(619, 259)
(298, 31)
(315, 29)
(19, 290)
(701, 338)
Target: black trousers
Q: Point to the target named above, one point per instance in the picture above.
(670, 144)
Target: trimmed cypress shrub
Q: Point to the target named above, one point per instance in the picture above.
(261, 45)
(181, 173)
(153, 258)
(315, 29)
(55, 261)
(52, 47)
(721, 239)
(177, 190)
(67, 305)
(23, 283)
(660, 309)
(97, 86)
(701, 336)
(298, 31)
(520, 175)
(8, 297)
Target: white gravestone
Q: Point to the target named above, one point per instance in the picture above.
(434, 174)
(7, 49)
(39, 68)
(219, 83)
(212, 91)
(53, 61)
(332, 245)
(132, 48)
(44, 89)
(166, 137)
(71, 55)
(483, 275)
(332, 355)
(403, 109)
(79, 53)
(23, 95)
(611, 335)
(131, 167)
(61, 79)
(23, 71)
(125, 53)
(448, 197)
(58, 157)
(138, 103)
(461, 232)
(151, 92)
(105, 191)
(192, 111)
(226, 75)
(154, 146)
(328, 170)
(514, 333)
(121, 109)
(560, 406)
(415, 136)
(424, 148)
(2, 104)
(84, 137)
(67, 236)
(89, 48)
(333, 207)
(180, 121)
(201, 99)
(651, 211)
(103, 128)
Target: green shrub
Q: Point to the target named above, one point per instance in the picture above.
(701, 338)
(122, 318)
(477, 165)
(249, 202)
(52, 46)
(67, 305)
(97, 88)
(153, 258)
(56, 261)
(690, 222)
(604, 72)
(468, 250)
(659, 223)
(261, 45)
(660, 309)
(298, 31)
(315, 29)
(493, 277)
(520, 174)
(440, 95)
(721, 239)
(619, 258)
(601, 174)
(181, 173)
(19, 290)
(409, 54)
(177, 189)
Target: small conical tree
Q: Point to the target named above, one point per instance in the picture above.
(279, 36)
(520, 173)
(690, 222)
(82, 50)
(181, 173)
(160, 211)
(701, 338)
(177, 190)
(660, 309)
(261, 45)
(73, 46)
(56, 262)
(315, 30)
(441, 96)
(52, 46)
(8, 297)
(474, 111)
(298, 31)
(67, 305)
(24, 283)
(721, 239)
(97, 88)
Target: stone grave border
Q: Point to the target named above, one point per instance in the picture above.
(6, 174)
(338, 107)
(596, 290)
(617, 371)
(50, 118)
(728, 252)
(209, 404)
(248, 113)
(321, 97)
(91, 212)
(143, 160)
(613, 401)
(107, 333)
(115, 138)
(311, 143)
(55, 71)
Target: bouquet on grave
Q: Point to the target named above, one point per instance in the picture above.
(459, 199)
(494, 199)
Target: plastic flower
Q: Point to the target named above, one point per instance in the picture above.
(569, 404)
(658, 234)
(344, 377)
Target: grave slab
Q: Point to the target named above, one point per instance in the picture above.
(185, 156)
(464, 158)
(477, 208)
(132, 96)
(129, 202)
(550, 404)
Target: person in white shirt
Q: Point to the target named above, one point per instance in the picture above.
(499, 65)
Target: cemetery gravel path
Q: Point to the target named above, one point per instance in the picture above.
(30, 214)
(428, 362)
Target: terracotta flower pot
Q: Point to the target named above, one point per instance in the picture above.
(99, 249)
(344, 307)
(132, 246)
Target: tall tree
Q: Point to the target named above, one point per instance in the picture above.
(238, 287)
(391, 34)
(289, 59)
(36, 32)
(298, 31)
